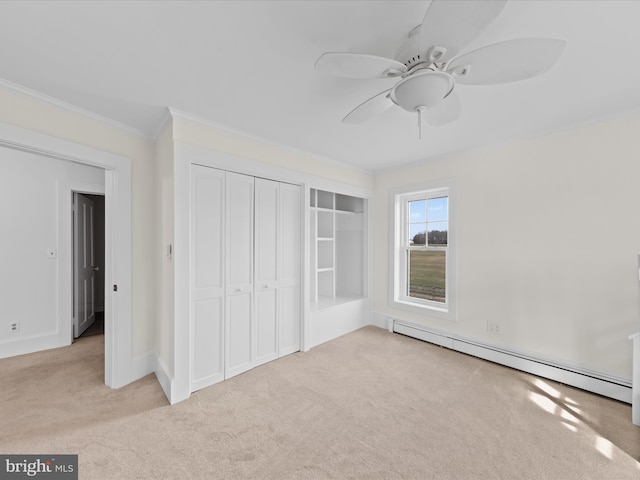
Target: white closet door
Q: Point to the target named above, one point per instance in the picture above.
(239, 298)
(207, 276)
(289, 269)
(266, 283)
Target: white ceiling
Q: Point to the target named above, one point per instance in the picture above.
(248, 67)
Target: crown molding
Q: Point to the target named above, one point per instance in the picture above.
(71, 108)
(166, 116)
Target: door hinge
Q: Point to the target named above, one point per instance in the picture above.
(115, 288)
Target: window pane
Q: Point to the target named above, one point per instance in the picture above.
(438, 209)
(427, 275)
(418, 211)
(438, 233)
(417, 223)
(417, 233)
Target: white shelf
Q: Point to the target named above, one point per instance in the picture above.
(347, 203)
(325, 199)
(328, 302)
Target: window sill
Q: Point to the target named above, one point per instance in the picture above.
(446, 313)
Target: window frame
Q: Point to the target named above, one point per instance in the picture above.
(399, 199)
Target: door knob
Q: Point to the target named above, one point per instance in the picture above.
(95, 269)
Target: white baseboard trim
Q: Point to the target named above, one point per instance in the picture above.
(164, 378)
(378, 320)
(32, 344)
(602, 384)
(142, 365)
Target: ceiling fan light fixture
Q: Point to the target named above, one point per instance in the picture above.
(423, 89)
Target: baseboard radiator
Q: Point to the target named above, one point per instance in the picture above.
(612, 387)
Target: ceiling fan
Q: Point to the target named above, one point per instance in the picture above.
(430, 64)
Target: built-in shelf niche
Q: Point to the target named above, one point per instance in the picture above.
(325, 254)
(326, 224)
(338, 248)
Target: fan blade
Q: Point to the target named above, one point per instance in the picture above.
(369, 108)
(455, 24)
(358, 65)
(508, 61)
(447, 111)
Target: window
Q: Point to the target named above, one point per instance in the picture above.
(423, 250)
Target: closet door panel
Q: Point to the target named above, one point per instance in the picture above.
(240, 229)
(239, 240)
(266, 237)
(289, 308)
(266, 277)
(267, 325)
(207, 240)
(207, 330)
(289, 269)
(207, 276)
(238, 358)
(290, 234)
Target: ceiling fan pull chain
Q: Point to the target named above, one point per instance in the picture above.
(420, 110)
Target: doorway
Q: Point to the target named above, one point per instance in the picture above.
(117, 189)
(88, 264)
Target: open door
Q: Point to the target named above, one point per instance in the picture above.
(84, 265)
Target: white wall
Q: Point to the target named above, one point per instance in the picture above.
(201, 135)
(48, 118)
(164, 238)
(548, 243)
(35, 205)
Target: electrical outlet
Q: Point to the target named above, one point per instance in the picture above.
(493, 327)
(14, 327)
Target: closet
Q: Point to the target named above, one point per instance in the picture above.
(245, 273)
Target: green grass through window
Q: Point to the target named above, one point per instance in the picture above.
(427, 278)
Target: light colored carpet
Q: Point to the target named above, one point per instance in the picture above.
(369, 405)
